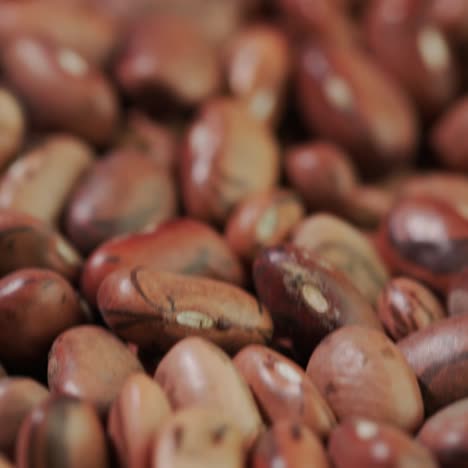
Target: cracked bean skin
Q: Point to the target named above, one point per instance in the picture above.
(360, 442)
(195, 372)
(283, 390)
(438, 354)
(181, 246)
(307, 296)
(154, 310)
(406, 306)
(361, 373)
(198, 437)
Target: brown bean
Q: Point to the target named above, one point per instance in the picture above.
(198, 438)
(406, 306)
(458, 294)
(360, 442)
(257, 66)
(413, 51)
(345, 97)
(361, 373)
(182, 246)
(262, 220)
(12, 126)
(424, 238)
(438, 356)
(307, 297)
(195, 372)
(18, 396)
(65, 93)
(178, 62)
(445, 434)
(227, 155)
(62, 431)
(283, 390)
(35, 307)
(27, 242)
(89, 363)
(347, 249)
(40, 182)
(120, 194)
(135, 416)
(156, 309)
(322, 174)
(289, 444)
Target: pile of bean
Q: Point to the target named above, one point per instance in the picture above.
(234, 233)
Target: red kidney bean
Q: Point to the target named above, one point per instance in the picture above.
(345, 97)
(35, 307)
(283, 390)
(62, 431)
(360, 442)
(445, 434)
(438, 356)
(307, 297)
(262, 220)
(65, 93)
(182, 246)
(40, 182)
(197, 373)
(27, 242)
(451, 16)
(347, 249)
(12, 126)
(361, 373)
(89, 363)
(457, 294)
(155, 309)
(322, 174)
(135, 417)
(18, 396)
(424, 238)
(227, 155)
(258, 65)
(413, 50)
(289, 444)
(406, 306)
(120, 194)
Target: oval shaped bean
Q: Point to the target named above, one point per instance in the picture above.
(196, 372)
(262, 220)
(199, 438)
(457, 296)
(361, 373)
(35, 307)
(438, 355)
(40, 182)
(18, 397)
(227, 155)
(347, 249)
(289, 444)
(360, 442)
(182, 246)
(156, 309)
(425, 238)
(283, 390)
(12, 126)
(120, 194)
(445, 434)
(322, 174)
(406, 306)
(136, 415)
(26, 242)
(89, 363)
(62, 431)
(178, 61)
(307, 297)
(345, 97)
(65, 93)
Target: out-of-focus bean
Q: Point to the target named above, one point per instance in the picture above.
(12, 126)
